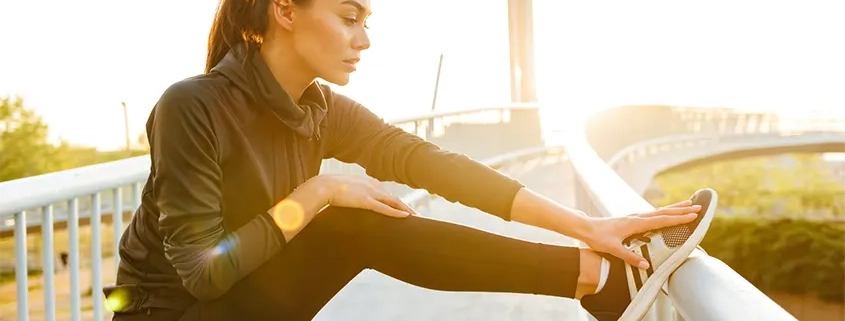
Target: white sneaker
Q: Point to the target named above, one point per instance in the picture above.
(629, 291)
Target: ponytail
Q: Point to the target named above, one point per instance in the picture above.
(236, 22)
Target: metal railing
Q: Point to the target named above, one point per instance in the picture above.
(703, 288)
(511, 137)
(637, 164)
(71, 197)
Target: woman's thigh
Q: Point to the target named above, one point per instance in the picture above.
(340, 242)
(306, 274)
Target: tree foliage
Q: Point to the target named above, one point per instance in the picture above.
(26, 151)
(779, 222)
(784, 185)
(23, 142)
(792, 255)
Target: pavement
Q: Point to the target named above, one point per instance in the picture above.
(374, 296)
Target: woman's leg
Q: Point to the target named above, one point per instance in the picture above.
(340, 242)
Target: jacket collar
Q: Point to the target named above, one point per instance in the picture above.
(250, 73)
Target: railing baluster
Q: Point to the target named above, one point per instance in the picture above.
(96, 256)
(48, 267)
(21, 269)
(136, 197)
(73, 246)
(434, 127)
(117, 223)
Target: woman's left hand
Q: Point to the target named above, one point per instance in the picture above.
(607, 234)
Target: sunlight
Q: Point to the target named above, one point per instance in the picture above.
(589, 56)
(754, 54)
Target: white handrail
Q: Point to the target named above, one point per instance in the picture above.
(32, 192)
(772, 140)
(74, 187)
(609, 193)
(703, 288)
(447, 113)
(419, 196)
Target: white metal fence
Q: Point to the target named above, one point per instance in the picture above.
(90, 195)
(702, 289)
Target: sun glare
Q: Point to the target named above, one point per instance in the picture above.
(589, 56)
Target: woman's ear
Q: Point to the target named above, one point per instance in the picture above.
(283, 13)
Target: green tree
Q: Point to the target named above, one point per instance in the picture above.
(24, 150)
(793, 184)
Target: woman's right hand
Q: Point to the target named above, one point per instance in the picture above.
(364, 193)
(607, 234)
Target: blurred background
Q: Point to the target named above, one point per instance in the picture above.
(745, 97)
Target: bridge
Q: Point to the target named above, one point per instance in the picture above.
(602, 168)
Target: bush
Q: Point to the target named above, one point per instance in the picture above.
(796, 256)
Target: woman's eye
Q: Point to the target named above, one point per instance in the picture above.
(353, 21)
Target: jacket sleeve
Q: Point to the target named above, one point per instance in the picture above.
(389, 153)
(187, 186)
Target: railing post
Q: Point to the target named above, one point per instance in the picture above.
(73, 249)
(96, 256)
(117, 223)
(21, 269)
(48, 266)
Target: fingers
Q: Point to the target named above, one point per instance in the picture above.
(663, 211)
(645, 224)
(681, 204)
(376, 183)
(679, 210)
(390, 205)
(382, 208)
(630, 257)
(383, 196)
(394, 202)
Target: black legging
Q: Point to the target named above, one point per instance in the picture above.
(341, 242)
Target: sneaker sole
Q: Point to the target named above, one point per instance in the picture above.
(644, 298)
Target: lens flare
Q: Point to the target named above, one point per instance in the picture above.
(288, 215)
(117, 300)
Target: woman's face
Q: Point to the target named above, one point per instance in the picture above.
(329, 35)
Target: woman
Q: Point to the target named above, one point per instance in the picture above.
(236, 222)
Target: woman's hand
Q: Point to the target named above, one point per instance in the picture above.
(607, 234)
(364, 193)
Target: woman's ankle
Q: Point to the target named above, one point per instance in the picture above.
(589, 273)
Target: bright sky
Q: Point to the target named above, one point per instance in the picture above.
(75, 61)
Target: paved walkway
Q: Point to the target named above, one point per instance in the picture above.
(373, 296)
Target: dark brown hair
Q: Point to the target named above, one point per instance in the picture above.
(237, 21)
